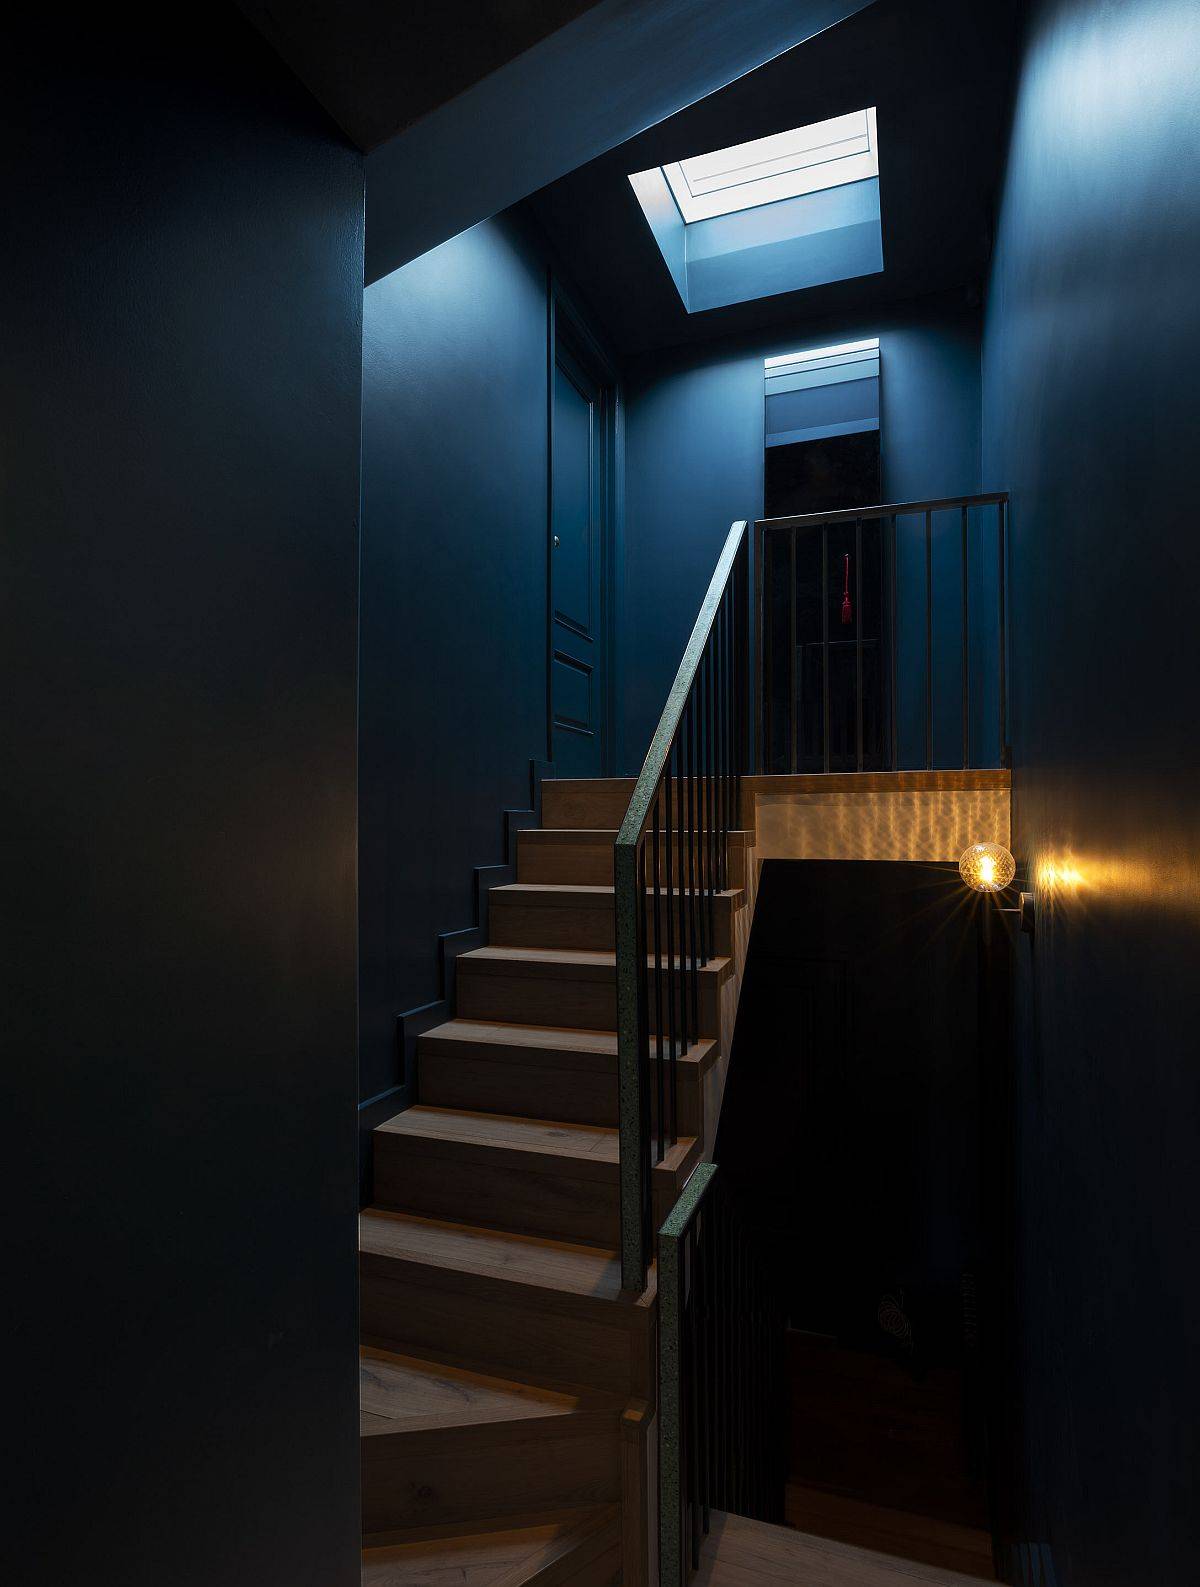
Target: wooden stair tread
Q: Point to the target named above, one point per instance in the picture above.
(554, 1045)
(555, 892)
(471, 1133)
(569, 894)
(537, 1549)
(743, 1553)
(402, 1394)
(576, 963)
(553, 1266)
(592, 835)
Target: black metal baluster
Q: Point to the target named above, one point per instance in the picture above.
(659, 1070)
(895, 644)
(727, 1326)
(766, 578)
(693, 1449)
(669, 877)
(685, 1012)
(693, 863)
(743, 1384)
(734, 660)
(705, 1303)
(741, 635)
(929, 640)
(793, 704)
(685, 878)
(722, 844)
(681, 841)
(681, 987)
(717, 790)
(858, 627)
(1002, 634)
(825, 641)
(714, 760)
(710, 799)
(879, 738)
(966, 665)
(700, 839)
(646, 1210)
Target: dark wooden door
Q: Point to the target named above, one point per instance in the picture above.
(578, 563)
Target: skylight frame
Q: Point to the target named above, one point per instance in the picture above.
(822, 357)
(809, 159)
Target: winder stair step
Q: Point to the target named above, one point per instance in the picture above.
(441, 1445)
(511, 1305)
(575, 1548)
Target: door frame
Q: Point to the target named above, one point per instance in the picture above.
(566, 323)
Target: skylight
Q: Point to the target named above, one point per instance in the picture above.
(784, 165)
(779, 214)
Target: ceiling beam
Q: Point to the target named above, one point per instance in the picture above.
(614, 71)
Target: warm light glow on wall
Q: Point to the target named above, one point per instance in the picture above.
(987, 867)
(1059, 875)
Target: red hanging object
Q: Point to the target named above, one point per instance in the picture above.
(847, 609)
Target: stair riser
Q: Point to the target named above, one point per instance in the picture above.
(412, 1176)
(449, 1475)
(554, 999)
(510, 1334)
(575, 804)
(517, 925)
(571, 1097)
(591, 864)
(585, 804)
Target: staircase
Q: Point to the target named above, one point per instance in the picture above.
(507, 1380)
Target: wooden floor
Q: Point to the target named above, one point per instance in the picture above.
(507, 1381)
(908, 1535)
(877, 1458)
(741, 1553)
(869, 1428)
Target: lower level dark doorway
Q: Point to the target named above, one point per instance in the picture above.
(852, 1133)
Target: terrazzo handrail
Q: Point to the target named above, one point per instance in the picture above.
(671, 858)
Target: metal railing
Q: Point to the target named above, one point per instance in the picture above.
(671, 859)
(722, 1400)
(830, 703)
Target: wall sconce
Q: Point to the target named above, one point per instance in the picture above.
(987, 867)
(990, 868)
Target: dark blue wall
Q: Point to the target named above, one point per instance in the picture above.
(179, 434)
(694, 459)
(1090, 417)
(453, 659)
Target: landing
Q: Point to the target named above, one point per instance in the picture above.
(908, 815)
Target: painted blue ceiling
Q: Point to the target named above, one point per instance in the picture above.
(940, 74)
(618, 67)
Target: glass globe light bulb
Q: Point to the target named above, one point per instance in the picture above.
(987, 867)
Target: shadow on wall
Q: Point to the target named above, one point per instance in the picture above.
(1089, 419)
(453, 636)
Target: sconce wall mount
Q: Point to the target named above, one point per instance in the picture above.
(989, 868)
